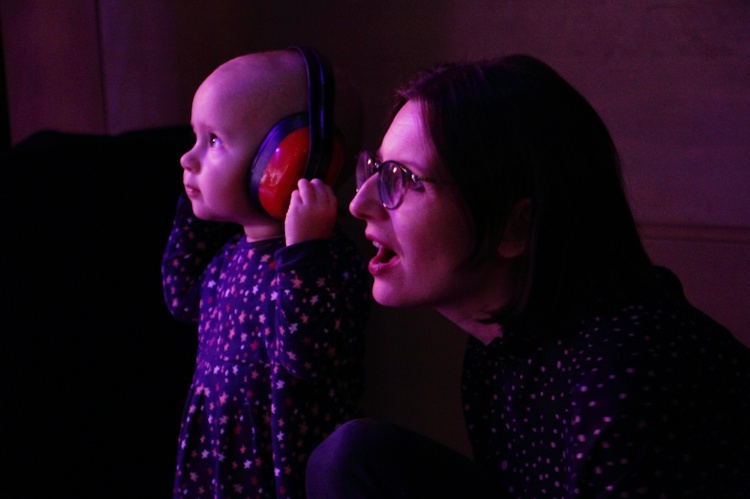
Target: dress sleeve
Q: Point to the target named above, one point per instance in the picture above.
(322, 295)
(190, 248)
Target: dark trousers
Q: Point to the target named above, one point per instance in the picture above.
(367, 458)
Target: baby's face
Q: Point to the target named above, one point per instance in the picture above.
(232, 112)
(215, 169)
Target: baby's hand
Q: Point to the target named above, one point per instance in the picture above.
(312, 212)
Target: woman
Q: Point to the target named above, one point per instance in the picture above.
(496, 199)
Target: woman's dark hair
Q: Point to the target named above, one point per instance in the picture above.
(511, 128)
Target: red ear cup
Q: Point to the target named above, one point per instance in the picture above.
(279, 162)
(284, 168)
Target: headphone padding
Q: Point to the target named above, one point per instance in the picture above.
(279, 163)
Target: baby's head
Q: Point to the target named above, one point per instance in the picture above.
(234, 110)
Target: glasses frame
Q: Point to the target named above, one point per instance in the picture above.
(410, 179)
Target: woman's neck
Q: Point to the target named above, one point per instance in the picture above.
(484, 332)
(471, 311)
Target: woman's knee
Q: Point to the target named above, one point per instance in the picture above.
(348, 445)
(337, 468)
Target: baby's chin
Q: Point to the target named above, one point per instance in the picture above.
(199, 210)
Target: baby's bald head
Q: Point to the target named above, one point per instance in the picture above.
(257, 90)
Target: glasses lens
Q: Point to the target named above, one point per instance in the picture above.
(364, 170)
(391, 178)
(391, 184)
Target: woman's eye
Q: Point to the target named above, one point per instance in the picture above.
(417, 184)
(214, 141)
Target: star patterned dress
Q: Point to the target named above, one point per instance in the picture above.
(280, 343)
(646, 400)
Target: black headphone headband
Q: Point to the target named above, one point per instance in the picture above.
(320, 84)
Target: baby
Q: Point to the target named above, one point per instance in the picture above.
(281, 305)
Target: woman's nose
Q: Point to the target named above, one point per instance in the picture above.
(366, 202)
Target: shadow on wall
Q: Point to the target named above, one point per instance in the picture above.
(95, 370)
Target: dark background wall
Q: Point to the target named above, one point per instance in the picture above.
(669, 78)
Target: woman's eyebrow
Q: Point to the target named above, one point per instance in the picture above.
(415, 168)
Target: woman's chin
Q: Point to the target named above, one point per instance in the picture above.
(384, 295)
(391, 296)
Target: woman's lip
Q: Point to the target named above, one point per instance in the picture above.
(191, 191)
(383, 260)
(377, 268)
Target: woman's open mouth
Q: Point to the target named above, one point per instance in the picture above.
(384, 259)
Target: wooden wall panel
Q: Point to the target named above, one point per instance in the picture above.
(52, 66)
(155, 54)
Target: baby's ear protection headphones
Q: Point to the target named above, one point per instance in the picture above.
(301, 145)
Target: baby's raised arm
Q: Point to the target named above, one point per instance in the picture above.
(312, 212)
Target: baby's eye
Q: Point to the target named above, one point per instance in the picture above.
(214, 141)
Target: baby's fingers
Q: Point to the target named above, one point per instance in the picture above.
(315, 191)
(324, 192)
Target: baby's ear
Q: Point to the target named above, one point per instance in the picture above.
(515, 236)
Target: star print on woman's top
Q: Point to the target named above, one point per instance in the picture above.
(280, 333)
(646, 399)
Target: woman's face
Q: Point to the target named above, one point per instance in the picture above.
(423, 246)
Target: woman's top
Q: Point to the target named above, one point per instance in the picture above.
(638, 400)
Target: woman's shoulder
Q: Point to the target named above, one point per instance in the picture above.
(663, 319)
(646, 332)
(668, 336)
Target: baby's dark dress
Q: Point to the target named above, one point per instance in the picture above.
(279, 355)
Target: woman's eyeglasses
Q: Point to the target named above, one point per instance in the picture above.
(394, 179)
